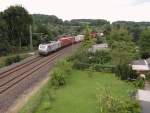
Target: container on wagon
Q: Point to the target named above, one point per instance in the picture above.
(79, 38)
(65, 41)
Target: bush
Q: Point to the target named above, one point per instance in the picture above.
(99, 40)
(100, 57)
(5, 48)
(103, 68)
(61, 71)
(148, 77)
(125, 72)
(12, 59)
(110, 104)
(96, 67)
(97, 60)
(58, 78)
(139, 83)
(65, 66)
(79, 65)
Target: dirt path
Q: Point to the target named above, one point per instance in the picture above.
(20, 102)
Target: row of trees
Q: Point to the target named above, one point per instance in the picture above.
(139, 34)
(57, 26)
(124, 50)
(134, 28)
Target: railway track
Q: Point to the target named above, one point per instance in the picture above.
(9, 71)
(4, 87)
(11, 77)
(24, 76)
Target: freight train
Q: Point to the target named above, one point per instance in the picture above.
(46, 48)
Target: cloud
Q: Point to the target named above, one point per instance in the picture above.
(138, 2)
(136, 10)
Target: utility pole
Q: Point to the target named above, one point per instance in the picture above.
(31, 45)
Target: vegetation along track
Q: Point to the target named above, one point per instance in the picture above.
(14, 77)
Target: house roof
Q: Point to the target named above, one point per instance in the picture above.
(139, 62)
(148, 60)
(141, 65)
(98, 47)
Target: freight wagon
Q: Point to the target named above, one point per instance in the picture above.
(66, 41)
(79, 38)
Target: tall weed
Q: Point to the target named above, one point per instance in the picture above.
(110, 104)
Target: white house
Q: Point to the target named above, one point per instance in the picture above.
(97, 47)
(141, 65)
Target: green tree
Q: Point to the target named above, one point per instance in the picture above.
(122, 48)
(119, 35)
(4, 43)
(123, 52)
(87, 34)
(18, 21)
(99, 40)
(87, 43)
(144, 44)
(125, 72)
(43, 29)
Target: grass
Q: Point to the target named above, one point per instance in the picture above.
(3, 59)
(79, 95)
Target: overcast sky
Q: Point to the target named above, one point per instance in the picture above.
(112, 10)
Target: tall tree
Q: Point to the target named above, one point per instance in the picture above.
(87, 34)
(144, 43)
(119, 35)
(123, 52)
(4, 43)
(18, 21)
(122, 48)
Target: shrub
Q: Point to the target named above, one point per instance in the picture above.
(100, 57)
(65, 66)
(12, 59)
(96, 67)
(148, 77)
(99, 40)
(58, 78)
(79, 65)
(103, 68)
(98, 60)
(125, 72)
(139, 83)
(110, 104)
(61, 71)
(5, 48)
